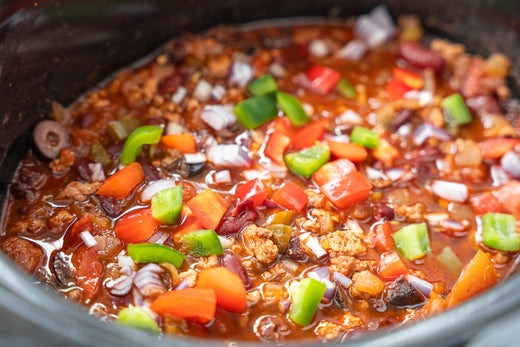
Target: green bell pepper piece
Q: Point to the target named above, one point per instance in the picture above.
(499, 232)
(306, 300)
(457, 109)
(344, 88)
(412, 241)
(203, 243)
(138, 318)
(256, 111)
(145, 135)
(308, 160)
(364, 137)
(281, 236)
(99, 154)
(450, 260)
(292, 108)
(263, 85)
(167, 205)
(155, 253)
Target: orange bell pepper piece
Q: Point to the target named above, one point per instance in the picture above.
(120, 184)
(209, 207)
(183, 142)
(198, 304)
(228, 287)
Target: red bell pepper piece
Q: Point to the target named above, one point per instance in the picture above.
(291, 197)
(391, 266)
(88, 271)
(397, 89)
(509, 197)
(136, 226)
(82, 224)
(282, 125)
(209, 207)
(410, 78)
(346, 191)
(309, 134)
(323, 78)
(496, 148)
(275, 147)
(485, 203)
(350, 151)
(381, 236)
(254, 190)
(334, 170)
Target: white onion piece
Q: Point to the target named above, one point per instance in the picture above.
(381, 16)
(424, 97)
(320, 273)
(87, 238)
(342, 279)
(376, 27)
(155, 187)
(426, 130)
(349, 117)
(309, 110)
(158, 237)
(277, 70)
(510, 162)
(202, 90)
(98, 175)
(319, 48)
(194, 158)
(218, 92)
(313, 244)
(375, 175)
(120, 286)
(218, 117)
(221, 177)
(241, 73)
(174, 128)
(252, 174)
(330, 290)
(353, 50)
(451, 191)
(147, 279)
(229, 155)
(225, 242)
(421, 285)
(137, 297)
(179, 95)
(395, 174)
(499, 175)
(274, 170)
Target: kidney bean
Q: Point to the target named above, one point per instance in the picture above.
(81, 168)
(85, 120)
(402, 117)
(233, 264)
(110, 206)
(420, 57)
(169, 84)
(295, 250)
(384, 211)
(233, 225)
(401, 293)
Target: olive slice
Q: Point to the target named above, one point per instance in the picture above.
(50, 138)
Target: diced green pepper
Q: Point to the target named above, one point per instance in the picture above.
(263, 85)
(146, 135)
(364, 137)
(292, 108)
(155, 253)
(203, 243)
(499, 232)
(283, 217)
(281, 236)
(256, 111)
(344, 88)
(167, 205)
(121, 128)
(308, 160)
(306, 300)
(98, 153)
(138, 318)
(412, 241)
(450, 260)
(457, 109)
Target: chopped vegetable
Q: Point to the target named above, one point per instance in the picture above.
(292, 108)
(229, 288)
(155, 253)
(120, 184)
(254, 190)
(385, 152)
(412, 241)
(499, 232)
(263, 85)
(167, 205)
(136, 226)
(351, 151)
(309, 134)
(364, 137)
(410, 78)
(88, 271)
(283, 126)
(344, 88)
(306, 300)
(381, 236)
(323, 79)
(455, 106)
(183, 142)
(145, 135)
(283, 217)
(307, 161)
(450, 260)
(391, 266)
(496, 148)
(275, 147)
(369, 283)
(486, 202)
(281, 235)
(397, 89)
(290, 196)
(209, 207)
(255, 111)
(198, 304)
(334, 170)
(203, 243)
(346, 191)
(99, 154)
(123, 127)
(138, 318)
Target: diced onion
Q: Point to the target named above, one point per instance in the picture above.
(313, 244)
(426, 130)
(174, 128)
(241, 73)
(342, 279)
(498, 175)
(158, 237)
(309, 110)
(353, 50)
(218, 117)
(179, 95)
(229, 155)
(421, 285)
(98, 175)
(120, 286)
(375, 175)
(451, 191)
(319, 273)
(511, 163)
(252, 174)
(319, 48)
(218, 92)
(424, 97)
(155, 187)
(87, 238)
(277, 70)
(395, 173)
(274, 170)
(195, 158)
(349, 117)
(202, 90)
(225, 242)
(375, 27)
(222, 177)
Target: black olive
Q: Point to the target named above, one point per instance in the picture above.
(196, 169)
(50, 138)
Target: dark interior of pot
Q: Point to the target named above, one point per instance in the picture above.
(58, 50)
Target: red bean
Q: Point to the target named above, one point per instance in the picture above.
(233, 264)
(420, 57)
(295, 250)
(169, 84)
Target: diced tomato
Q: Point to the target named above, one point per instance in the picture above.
(323, 79)
(309, 134)
(82, 224)
(334, 170)
(396, 89)
(283, 126)
(88, 271)
(346, 191)
(136, 226)
(391, 266)
(350, 151)
(509, 197)
(485, 203)
(254, 190)
(209, 207)
(496, 148)
(275, 147)
(291, 197)
(381, 236)
(410, 78)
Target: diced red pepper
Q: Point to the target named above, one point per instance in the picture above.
(275, 147)
(346, 191)
(485, 203)
(282, 125)
(350, 151)
(136, 226)
(509, 197)
(496, 148)
(209, 207)
(88, 271)
(254, 190)
(334, 170)
(189, 224)
(309, 134)
(82, 224)
(410, 78)
(397, 89)
(391, 266)
(291, 197)
(381, 236)
(323, 78)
